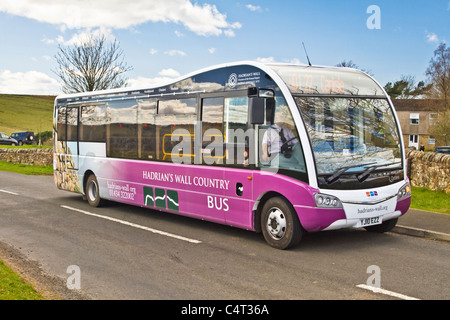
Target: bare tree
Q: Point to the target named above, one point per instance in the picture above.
(440, 129)
(94, 64)
(439, 75)
(351, 64)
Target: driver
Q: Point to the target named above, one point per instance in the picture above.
(278, 137)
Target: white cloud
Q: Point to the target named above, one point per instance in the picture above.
(272, 60)
(175, 53)
(432, 37)
(169, 73)
(30, 82)
(204, 20)
(153, 51)
(266, 60)
(212, 50)
(253, 8)
(165, 76)
(179, 34)
(81, 37)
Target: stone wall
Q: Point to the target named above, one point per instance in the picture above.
(429, 169)
(34, 157)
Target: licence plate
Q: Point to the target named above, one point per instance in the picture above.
(364, 222)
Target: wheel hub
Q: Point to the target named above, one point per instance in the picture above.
(276, 223)
(92, 190)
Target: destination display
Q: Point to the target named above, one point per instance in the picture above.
(307, 80)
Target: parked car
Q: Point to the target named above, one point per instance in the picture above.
(5, 139)
(25, 137)
(445, 150)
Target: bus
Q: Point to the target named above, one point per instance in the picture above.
(279, 149)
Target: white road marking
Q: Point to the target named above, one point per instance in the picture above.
(386, 292)
(134, 225)
(10, 192)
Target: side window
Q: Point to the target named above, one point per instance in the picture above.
(212, 131)
(235, 128)
(147, 128)
(61, 125)
(280, 144)
(174, 126)
(121, 132)
(72, 124)
(93, 123)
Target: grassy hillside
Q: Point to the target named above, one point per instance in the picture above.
(26, 113)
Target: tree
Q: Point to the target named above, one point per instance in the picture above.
(91, 65)
(351, 64)
(439, 75)
(406, 88)
(440, 129)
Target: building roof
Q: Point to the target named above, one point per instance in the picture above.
(417, 105)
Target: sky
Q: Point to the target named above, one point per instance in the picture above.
(163, 40)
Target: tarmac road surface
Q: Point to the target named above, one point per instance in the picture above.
(125, 252)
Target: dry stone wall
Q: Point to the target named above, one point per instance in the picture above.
(34, 157)
(429, 169)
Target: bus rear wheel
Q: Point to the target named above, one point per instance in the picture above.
(92, 191)
(279, 224)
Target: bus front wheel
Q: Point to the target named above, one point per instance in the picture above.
(279, 224)
(92, 192)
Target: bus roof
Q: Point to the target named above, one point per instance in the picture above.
(299, 78)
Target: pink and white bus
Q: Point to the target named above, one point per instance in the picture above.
(280, 149)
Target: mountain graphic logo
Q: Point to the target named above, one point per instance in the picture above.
(158, 198)
(172, 200)
(149, 200)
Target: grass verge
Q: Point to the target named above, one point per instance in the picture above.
(429, 200)
(13, 287)
(26, 169)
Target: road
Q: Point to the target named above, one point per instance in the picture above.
(125, 252)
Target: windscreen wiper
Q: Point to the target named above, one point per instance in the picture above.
(342, 170)
(363, 176)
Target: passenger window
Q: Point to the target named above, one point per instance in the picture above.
(237, 136)
(147, 128)
(61, 130)
(175, 124)
(212, 131)
(93, 123)
(121, 136)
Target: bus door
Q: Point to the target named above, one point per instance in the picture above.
(72, 151)
(238, 174)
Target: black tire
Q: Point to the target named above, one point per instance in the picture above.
(383, 227)
(279, 224)
(92, 191)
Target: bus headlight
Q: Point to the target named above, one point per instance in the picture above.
(404, 191)
(327, 201)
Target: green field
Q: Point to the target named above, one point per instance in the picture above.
(26, 113)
